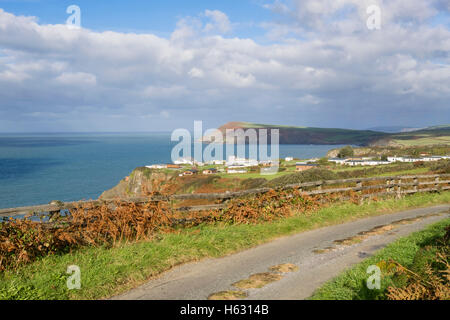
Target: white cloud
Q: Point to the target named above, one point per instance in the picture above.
(46, 115)
(220, 21)
(329, 61)
(196, 73)
(165, 114)
(164, 92)
(76, 78)
(336, 16)
(309, 100)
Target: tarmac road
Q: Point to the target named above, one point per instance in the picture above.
(197, 281)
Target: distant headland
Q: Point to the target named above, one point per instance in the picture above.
(334, 136)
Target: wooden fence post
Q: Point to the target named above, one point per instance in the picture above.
(399, 188)
(54, 209)
(54, 215)
(361, 199)
(359, 185)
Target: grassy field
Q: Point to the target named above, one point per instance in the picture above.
(423, 140)
(426, 141)
(401, 173)
(258, 175)
(109, 271)
(351, 285)
(393, 173)
(337, 169)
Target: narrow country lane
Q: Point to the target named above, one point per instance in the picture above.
(308, 259)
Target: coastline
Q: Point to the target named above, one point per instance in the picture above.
(72, 167)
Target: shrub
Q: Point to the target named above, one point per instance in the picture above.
(419, 164)
(375, 170)
(346, 152)
(428, 277)
(24, 241)
(323, 161)
(429, 282)
(267, 207)
(441, 167)
(300, 177)
(253, 183)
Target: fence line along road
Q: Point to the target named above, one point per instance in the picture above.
(393, 185)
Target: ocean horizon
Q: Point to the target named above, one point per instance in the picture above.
(37, 168)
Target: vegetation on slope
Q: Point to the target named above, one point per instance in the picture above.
(310, 135)
(406, 151)
(416, 267)
(338, 172)
(170, 182)
(109, 270)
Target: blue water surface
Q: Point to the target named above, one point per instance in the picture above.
(38, 168)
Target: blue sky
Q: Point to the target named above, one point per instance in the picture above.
(160, 65)
(140, 16)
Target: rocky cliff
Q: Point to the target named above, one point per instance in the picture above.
(137, 182)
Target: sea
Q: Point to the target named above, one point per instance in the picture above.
(39, 168)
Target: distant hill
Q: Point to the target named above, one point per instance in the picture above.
(394, 129)
(441, 127)
(311, 135)
(428, 136)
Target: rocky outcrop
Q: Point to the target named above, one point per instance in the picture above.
(140, 180)
(358, 152)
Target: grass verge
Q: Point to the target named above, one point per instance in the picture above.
(109, 271)
(351, 284)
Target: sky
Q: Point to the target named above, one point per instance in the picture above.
(160, 65)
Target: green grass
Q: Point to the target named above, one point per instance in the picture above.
(343, 168)
(249, 125)
(339, 168)
(311, 135)
(351, 284)
(401, 172)
(105, 272)
(257, 174)
(291, 170)
(423, 140)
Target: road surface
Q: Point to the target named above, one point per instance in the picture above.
(316, 254)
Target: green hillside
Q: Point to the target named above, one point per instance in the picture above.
(311, 135)
(429, 136)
